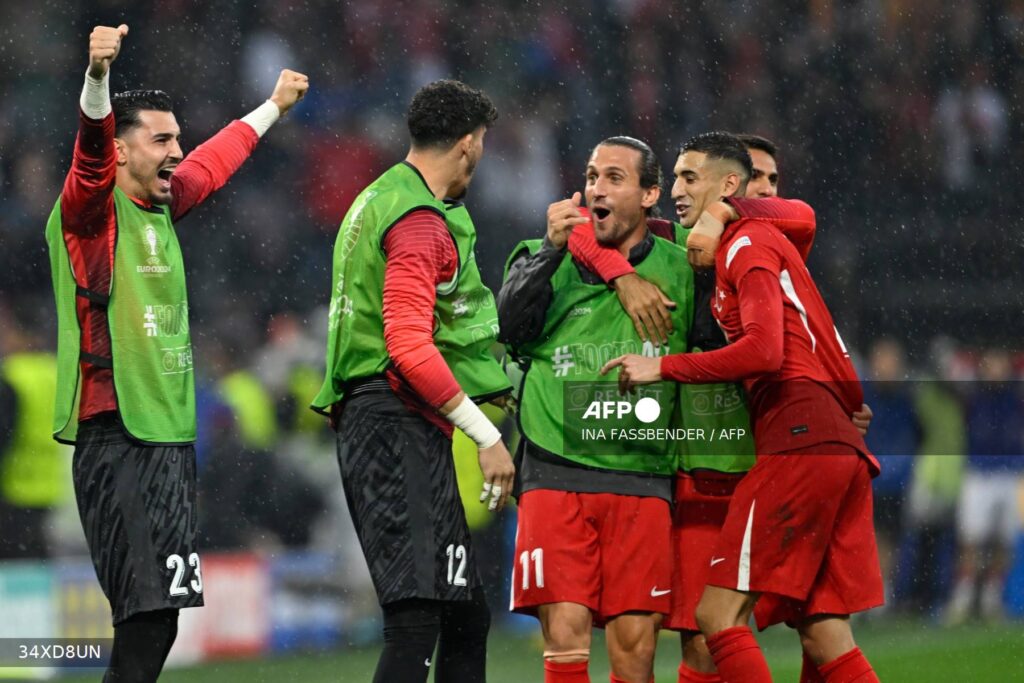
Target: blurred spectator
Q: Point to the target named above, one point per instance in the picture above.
(35, 470)
(893, 438)
(972, 120)
(988, 515)
(249, 496)
(936, 479)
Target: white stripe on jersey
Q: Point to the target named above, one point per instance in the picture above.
(736, 246)
(743, 575)
(787, 286)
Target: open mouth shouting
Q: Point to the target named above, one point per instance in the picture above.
(600, 213)
(163, 177)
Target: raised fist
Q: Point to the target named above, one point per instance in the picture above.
(104, 44)
(291, 86)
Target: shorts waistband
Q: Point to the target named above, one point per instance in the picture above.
(365, 385)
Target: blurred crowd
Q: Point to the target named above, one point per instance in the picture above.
(896, 119)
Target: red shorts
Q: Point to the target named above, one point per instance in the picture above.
(606, 551)
(800, 530)
(701, 504)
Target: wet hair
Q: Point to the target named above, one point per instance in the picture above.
(758, 142)
(721, 145)
(650, 168)
(128, 104)
(444, 111)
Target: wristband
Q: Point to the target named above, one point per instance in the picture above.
(262, 117)
(95, 99)
(468, 417)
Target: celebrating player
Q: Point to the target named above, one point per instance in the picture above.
(125, 385)
(408, 357)
(764, 177)
(593, 537)
(708, 473)
(798, 534)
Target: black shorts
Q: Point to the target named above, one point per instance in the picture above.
(138, 508)
(398, 474)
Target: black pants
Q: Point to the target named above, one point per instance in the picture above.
(412, 629)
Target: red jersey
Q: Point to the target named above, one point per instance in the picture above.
(803, 387)
(792, 217)
(90, 226)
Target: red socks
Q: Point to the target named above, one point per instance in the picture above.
(688, 675)
(565, 672)
(853, 667)
(809, 673)
(737, 656)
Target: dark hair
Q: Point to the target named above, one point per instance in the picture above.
(128, 104)
(758, 142)
(650, 169)
(444, 111)
(721, 145)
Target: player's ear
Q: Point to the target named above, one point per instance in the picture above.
(730, 184)
(465, 144)
(122, 151)
(651, 197)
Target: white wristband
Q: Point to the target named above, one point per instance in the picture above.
(468, 417)
(95, 99)
(263, 117)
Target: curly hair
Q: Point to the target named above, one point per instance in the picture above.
(444, 111)
(128, 104)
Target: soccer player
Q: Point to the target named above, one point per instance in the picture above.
(764, 178)
(592, 545)
(408, 358)
(125, 392)
(799, 533)
(708, 475)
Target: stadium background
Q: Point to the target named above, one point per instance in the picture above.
(898, 120)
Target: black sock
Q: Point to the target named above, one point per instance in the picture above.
(410, 634)
(141, 644)
(462, 650)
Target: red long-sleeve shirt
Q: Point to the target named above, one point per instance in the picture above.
(794, 218)
(420, 255)
(90, 225)
(784, 345)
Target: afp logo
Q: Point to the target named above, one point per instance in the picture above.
(646, 410)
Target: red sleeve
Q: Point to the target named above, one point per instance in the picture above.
(758, 351)
(607, 262)
(208, 166)
(420, 255)
(88, 194)
(794, 219)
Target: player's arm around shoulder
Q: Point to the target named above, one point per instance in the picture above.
(752, 244)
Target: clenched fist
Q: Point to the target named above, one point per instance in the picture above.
(291, 86)
(104, 44)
